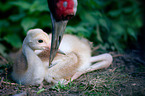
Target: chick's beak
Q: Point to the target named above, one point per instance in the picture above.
(58, 29)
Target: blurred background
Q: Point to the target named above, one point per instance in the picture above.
(113, 25)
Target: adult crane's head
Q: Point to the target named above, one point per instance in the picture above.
(61, 11)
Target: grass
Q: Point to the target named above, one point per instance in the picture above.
(125, 77)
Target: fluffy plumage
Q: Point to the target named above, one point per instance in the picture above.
(76, 62)
(31, 66)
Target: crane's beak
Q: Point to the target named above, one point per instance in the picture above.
(58, 29)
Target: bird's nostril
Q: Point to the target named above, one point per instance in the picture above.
(59, 39)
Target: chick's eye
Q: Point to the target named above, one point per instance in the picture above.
(40, 41)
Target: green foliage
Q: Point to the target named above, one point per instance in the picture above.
(60, 86)
(109, 23)
(17, 17)
(41, 90)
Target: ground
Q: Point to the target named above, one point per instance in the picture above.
(125, 77)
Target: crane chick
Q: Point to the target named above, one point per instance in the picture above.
(31, 66)
(76, 61)
(28, 67)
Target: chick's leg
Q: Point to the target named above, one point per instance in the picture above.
(102, 61)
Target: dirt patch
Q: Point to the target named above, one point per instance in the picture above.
(125, 77)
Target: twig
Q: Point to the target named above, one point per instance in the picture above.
(4, 59)
(1, 81)
(41, 86)
(118, 55)
(112, 70)
(9, 83)
(5, 82)
(95, 48)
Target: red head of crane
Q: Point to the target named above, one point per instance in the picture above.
(61, 11)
